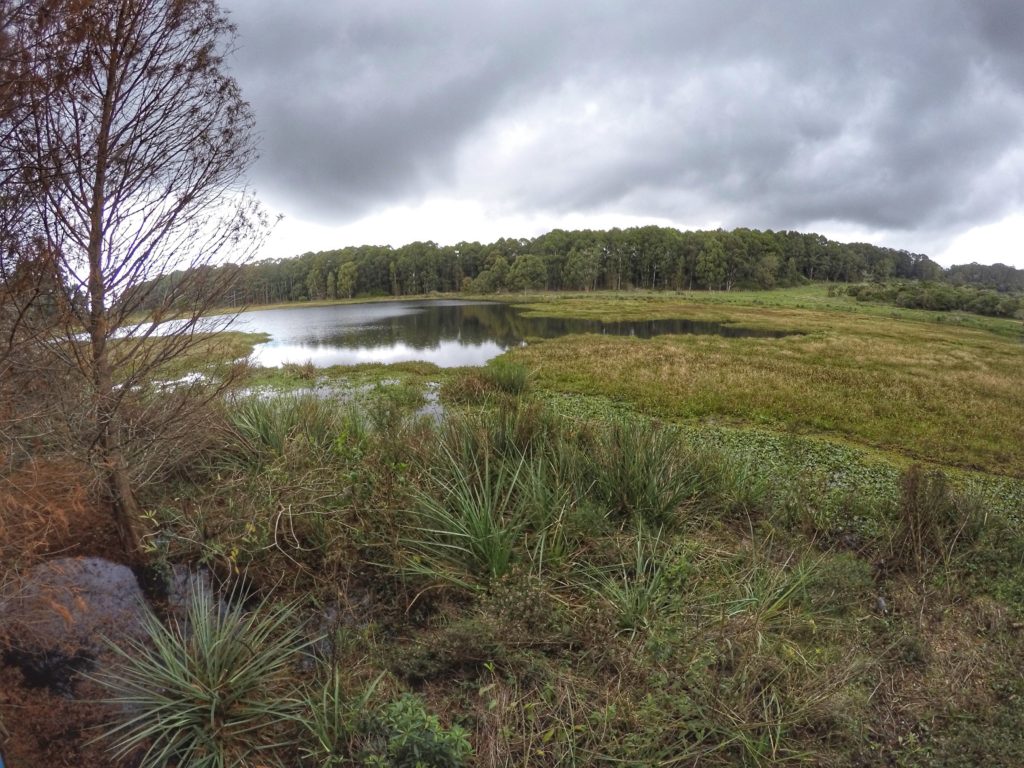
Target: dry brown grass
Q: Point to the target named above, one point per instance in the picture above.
(46, 507)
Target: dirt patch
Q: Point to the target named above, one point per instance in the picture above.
(48, 729)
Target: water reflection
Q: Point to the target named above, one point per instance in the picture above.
(447, 333)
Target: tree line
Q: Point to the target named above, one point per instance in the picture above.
(649, 257)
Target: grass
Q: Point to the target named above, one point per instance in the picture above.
(644, 472)
(467, 529)
(566, 588)
(762, 309)
(209, 694)
(210, 353)
(929, 391)
(678, 551)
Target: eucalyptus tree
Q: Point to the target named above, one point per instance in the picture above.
(130, 142)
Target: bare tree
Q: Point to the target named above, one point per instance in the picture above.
(129, 141)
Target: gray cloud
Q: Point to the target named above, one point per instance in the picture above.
(902, 116)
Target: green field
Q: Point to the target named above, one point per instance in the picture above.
(939, 392)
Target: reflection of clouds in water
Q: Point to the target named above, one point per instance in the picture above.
(446, 354)
(447, 333)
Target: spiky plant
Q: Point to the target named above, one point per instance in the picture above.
(466, 532)
(647, 473)
(637, 588)
(210, 692)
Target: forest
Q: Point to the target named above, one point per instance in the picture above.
(651, 257)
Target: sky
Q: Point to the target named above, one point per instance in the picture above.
(896, 122)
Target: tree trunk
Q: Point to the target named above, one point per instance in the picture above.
(123, 506)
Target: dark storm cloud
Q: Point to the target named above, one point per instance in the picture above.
(903, 116)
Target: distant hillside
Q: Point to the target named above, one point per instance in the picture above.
(640, 257)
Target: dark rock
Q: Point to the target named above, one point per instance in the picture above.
(53, 620)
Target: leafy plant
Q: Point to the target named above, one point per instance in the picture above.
(208, 693)
(356, 731)
(405, 735)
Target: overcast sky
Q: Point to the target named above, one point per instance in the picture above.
(898, 122)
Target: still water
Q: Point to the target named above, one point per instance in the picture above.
(445, 332)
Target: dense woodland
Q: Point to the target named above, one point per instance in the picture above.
(641, 257)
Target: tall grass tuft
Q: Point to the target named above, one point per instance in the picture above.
(646, 472)
(506, 376)
(208, 694)
(467, 531)
(933, 523)
(521, 428)
(329, 720)
(265, 427)
(637, 588)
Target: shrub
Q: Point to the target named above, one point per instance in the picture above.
(208, 694)
(400, 734)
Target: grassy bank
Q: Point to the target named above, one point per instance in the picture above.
(927, 390)
(574, 590)
(687, 550)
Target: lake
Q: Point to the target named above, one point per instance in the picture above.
(445, 332)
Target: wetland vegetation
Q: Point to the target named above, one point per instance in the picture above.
(676, 550)
(678, 499)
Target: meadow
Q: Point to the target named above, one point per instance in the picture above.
(688, 550)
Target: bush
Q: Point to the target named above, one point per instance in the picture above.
(389, 405)
(400, 734)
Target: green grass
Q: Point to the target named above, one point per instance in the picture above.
(572, 583)
(675, 551)
(212, 694)
(929, 391)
